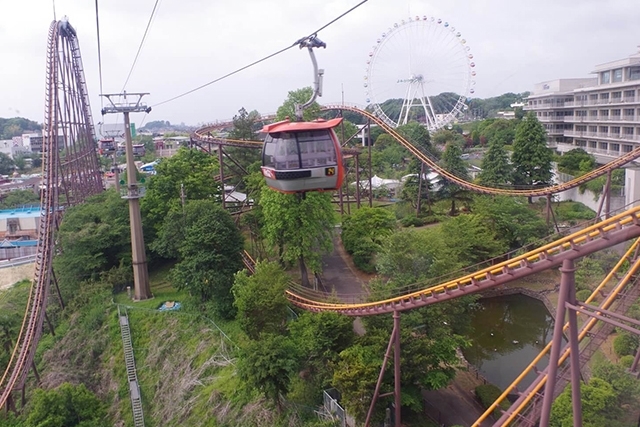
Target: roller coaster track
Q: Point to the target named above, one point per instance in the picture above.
(528, 192)
(70, 169)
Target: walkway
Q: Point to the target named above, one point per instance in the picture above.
(340, 276)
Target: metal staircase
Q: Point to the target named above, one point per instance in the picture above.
(132, 376)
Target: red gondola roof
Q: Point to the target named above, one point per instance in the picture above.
(289, 126)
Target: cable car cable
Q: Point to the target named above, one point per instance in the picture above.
(144, 36)
(99, 55)
(296, 43)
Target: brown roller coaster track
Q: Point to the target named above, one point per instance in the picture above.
(70, 172)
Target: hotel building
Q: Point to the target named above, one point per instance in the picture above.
(600, 115)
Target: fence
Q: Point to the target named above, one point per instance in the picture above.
(333, 408)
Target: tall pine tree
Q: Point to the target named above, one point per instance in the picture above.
(531, 156)
(496, 169)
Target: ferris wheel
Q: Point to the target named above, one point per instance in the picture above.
(419, 69)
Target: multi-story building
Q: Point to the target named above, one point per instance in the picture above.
(600, 115)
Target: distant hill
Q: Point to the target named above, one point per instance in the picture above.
(16, 126)
(165, 126)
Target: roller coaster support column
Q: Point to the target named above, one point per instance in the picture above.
(357, 162)
(607, 195)
(567, 293)
(142, 290)
(370, 174)
(394, 341)
(221, 162)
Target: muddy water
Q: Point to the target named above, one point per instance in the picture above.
(507, 333)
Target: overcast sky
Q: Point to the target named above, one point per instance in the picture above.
(515, 44)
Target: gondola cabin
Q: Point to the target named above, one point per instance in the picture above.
(107, 145)
(302, 156)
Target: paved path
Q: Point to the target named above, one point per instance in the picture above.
(340, 277)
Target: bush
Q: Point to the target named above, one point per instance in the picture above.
(487, 394)
(625, 344)
(412, 221)
(583, 295)
(626, 361)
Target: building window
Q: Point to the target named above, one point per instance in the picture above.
(615, 130)
(629, 95)
(605, 77)
(616, 96)
(604, 145)
(617, 75)
(604, 97)
(627, 131)
(604, 129)
(593, 144)
(615, 113)
(634, 73)
(628, 113)
(615, 147)
(593, 129)
(627, 148)
(13, 225)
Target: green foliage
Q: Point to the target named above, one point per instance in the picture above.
(190, 172)
(625, 344)
(300, 228)
(245, 127)
(599, 405)
(66, 406)
(18, 198)
(362, 233)
(408, 256)
(7, 165)
(208, 253)
(512, 221)
(588, 274)
(299, 96)
(412, 221)
(268, 365)
(260, 299)
(355, 376)
(94, 237)
(16, 126)
(489, 393)
(624, 385)
(531, 156)
(418, 135)
(576, 162)
(626, 361)
(452, 162)
(470, 239)
(583, 295)
(496, 168)
(573, 212)
(489, 107)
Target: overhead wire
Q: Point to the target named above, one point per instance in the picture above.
(144, 36)
(99, 56)
(297, 42)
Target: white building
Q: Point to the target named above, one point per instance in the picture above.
(600, 115)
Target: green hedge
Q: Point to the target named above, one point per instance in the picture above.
(487, 394)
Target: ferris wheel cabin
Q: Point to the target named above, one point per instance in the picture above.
(302, 156)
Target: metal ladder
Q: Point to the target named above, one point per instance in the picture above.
(132, 376)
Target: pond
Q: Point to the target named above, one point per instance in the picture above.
(507, 333)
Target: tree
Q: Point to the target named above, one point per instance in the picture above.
(576, 162)
(418, 135)
(19, 198)
(301, 228)
(355, 377)
(7, 165)
(531, 156)
(452, 162)
(624, 385)
(363, 232)
(208, 253)
(189, 174)
(496, 169)
(245, 126)
(471, 240)
(599, 405)
(260, 299)
(511, 220)
(267, 365)
(94, 237)
(66, 406)
(300, 96)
